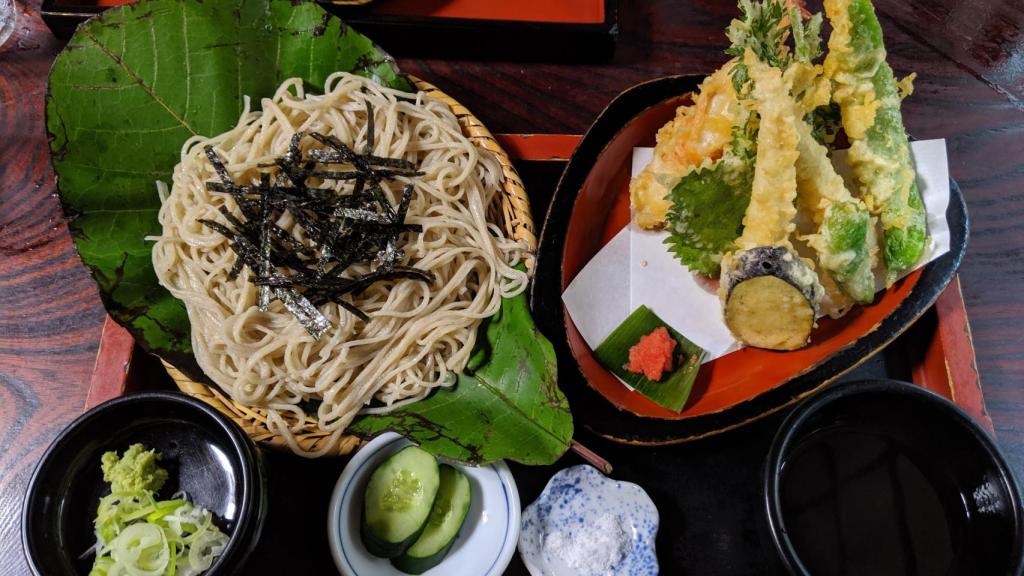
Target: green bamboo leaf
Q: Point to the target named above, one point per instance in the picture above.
(137, 81)
(510, 408)
(674, 387)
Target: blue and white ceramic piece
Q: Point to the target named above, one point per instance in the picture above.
(579, 498)
(485, 544)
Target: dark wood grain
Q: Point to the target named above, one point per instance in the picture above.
(969, 56)
(50, 313)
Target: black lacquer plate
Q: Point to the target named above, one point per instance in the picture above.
(589, 196)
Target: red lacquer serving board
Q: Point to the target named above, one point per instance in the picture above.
(546, 11)
(946, 367)
(560, 11)
(568, 30)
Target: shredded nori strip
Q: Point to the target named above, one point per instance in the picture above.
(343, 285)
(265, 252)
(370, 144)
(339, 229)
(337, 157)
(307, 314)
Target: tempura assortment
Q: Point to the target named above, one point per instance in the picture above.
(743, 182)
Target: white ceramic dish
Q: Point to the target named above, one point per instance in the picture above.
(580, 497)
(485, 544)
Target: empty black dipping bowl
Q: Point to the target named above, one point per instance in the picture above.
(884, 478)
(205, 454)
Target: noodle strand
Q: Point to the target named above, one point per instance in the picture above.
(417, 334)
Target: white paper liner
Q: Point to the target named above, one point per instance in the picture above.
(602, 295)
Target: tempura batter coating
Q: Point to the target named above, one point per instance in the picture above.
(845, 240)
(792, 294)
(699, 133)
(769, 217)
(879, 156)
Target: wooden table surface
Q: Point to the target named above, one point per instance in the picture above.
(968, 54)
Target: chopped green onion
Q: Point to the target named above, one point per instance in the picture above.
(137, 535)
(164, 508)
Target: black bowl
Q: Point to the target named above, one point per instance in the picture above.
(883, 477)
(207, 456)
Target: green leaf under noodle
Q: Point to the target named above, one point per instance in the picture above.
(135, 82)
(510, 408)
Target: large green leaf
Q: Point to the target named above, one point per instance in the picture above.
(510, 407)
(137, 81)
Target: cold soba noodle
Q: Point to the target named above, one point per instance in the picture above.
(418, 331)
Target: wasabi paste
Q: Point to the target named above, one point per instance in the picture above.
(135, 471)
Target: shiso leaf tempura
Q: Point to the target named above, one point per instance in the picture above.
(879, 157)
(707, 214)
(706, 205)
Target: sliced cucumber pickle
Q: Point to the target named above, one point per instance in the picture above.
(446, 518)
(398, 501)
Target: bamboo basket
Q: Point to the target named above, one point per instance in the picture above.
(511, 209)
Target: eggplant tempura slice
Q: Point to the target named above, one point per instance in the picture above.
(771, 295)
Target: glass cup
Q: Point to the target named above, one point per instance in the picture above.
(8, 16)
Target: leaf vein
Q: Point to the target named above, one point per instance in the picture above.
(138, 80)
(101, 87)
(104, 169)
(498, 392)
(156, 56)
(188, 58)
(121, 210)
(128, 130)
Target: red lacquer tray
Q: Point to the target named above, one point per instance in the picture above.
(561, 29)
(939, 350)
